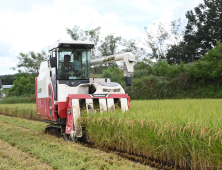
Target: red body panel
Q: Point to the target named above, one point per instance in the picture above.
(43, 108)
(69, 121)
(87, 96)
(62, 109)
(36, 93)
(43, 104)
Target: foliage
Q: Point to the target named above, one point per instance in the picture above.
(204, 26)
(7, 79)
(160, 40)
(30, 62)
(109, 45)
(132, 46)
(203, 29)
(113, 73)
(144, 64)
(91, 35)
(200, 79)
(210, 66)
(162, 68)
(23, 85)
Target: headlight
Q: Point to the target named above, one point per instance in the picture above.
(106, 90)
(116, 90)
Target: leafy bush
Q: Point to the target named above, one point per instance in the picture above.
(23, 85)
(162, 68)
(210, 66)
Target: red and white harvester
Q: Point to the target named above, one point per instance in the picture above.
(64, 87)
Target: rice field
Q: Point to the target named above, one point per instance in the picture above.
(185, 134)
(20, 110)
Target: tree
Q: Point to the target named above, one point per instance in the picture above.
(209, 66)
(30, 62)
(105, 46)
(203, 30)
(91, 35)
(133, 47)
(7, 79)
(23, 85)
(109, 45)
(160, 40)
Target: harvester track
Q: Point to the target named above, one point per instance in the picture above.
(150, 161)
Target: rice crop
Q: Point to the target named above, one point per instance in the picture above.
(20, 110)
(185, 134)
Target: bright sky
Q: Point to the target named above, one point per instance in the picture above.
(30, 25)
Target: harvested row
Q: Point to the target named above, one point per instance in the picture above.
(184, 134)
(13, 158)
(28, 138)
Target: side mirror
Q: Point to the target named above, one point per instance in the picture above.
(53, 62)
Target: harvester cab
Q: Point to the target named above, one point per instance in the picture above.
(64, 88)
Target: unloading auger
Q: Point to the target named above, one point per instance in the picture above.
(64, 87)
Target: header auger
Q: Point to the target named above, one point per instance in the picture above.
(64, 87)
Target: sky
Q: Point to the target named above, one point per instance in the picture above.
(30, 25)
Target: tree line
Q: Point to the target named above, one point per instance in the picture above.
(178, 47)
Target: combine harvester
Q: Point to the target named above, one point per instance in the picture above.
(64, 88)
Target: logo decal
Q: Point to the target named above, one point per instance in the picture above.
(109, 59)
(99, 95)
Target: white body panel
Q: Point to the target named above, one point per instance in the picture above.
(98, 80)
(89, 106)
(128, 59)
(76, 115)
(99, 89)
(43, 80)
(64, 90)
(102, 105)
(110, 104)
(124, 105)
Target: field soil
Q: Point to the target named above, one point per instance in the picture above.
(24, 145)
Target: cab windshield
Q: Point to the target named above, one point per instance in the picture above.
(73, 63)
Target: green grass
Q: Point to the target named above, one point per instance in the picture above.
(29, 137)
(183, 133)
(12, 158)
